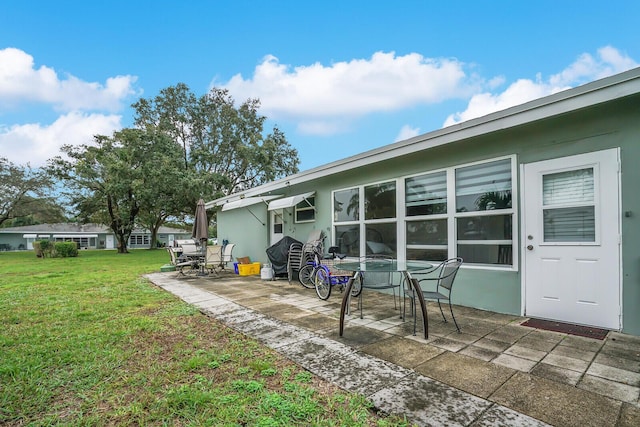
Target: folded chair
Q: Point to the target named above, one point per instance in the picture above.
(443, 276)
(294, 260)
(213, 261)
(227, 254)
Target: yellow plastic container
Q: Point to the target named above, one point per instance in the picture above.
(249, 269)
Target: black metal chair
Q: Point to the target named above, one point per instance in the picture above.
(443, 276)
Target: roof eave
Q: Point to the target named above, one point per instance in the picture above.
(590, 94)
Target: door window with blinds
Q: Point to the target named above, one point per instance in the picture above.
(569, 206)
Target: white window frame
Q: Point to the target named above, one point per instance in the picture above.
(304, 206)
(414, 218)
(453, 240)
(144, 238)
(452, 216)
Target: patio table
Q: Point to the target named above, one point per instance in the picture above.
(199, 259)
(403, 267)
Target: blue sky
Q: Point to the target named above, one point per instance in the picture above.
(338, 77)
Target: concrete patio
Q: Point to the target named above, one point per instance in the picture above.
(495, 372)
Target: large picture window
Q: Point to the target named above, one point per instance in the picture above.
(464, 211)
(139, 240)
(372, 231)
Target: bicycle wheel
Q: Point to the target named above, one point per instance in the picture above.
(304, 276)
(322, 281)
(356, 288)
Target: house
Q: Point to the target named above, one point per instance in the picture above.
(88, 236)
(540, 200)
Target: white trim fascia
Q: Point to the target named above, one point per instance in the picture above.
(73, 236)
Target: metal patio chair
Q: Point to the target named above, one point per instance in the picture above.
(443, 276)
(182, 263)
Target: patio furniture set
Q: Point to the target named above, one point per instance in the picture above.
(190, 258)
(419, 281)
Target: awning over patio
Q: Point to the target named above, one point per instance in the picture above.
(73, 236)
(288, 202)
(29, 236)
(247, 202)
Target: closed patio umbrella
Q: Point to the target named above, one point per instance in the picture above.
(201, 228)
(200, 224)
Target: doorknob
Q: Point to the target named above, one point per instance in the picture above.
(530, 247)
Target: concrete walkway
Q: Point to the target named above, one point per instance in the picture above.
(496, 372)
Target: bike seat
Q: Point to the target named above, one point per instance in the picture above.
(333, 253)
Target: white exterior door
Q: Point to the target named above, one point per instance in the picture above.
(30, 241)
(572, 239)
(109, 243)
(277, 226)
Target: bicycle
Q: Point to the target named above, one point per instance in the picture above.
(311, 259)
(324, 275)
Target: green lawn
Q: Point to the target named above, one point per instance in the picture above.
(87, 341)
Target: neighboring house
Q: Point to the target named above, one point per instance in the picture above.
(88, 236)
(541, 200)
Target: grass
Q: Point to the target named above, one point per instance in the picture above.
(88, 341)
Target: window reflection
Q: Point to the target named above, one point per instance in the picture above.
(380, 201)
(426, 194)
(495, 227)
(484, 187)
(348, 239)
(381, 239)
(346, 205)
(428, 232)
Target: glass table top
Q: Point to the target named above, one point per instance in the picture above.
(384, 265)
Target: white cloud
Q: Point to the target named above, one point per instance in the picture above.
(21, 82)
(586, 68)
(34, 143)
(407, 132)
(322, 99)
(88, 108)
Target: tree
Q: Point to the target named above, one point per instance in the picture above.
(223, 145)
(20, 189)
(37, 210)
(163, 185)
(105, 181)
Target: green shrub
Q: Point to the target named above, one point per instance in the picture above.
(66, 249)
(43, 248)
